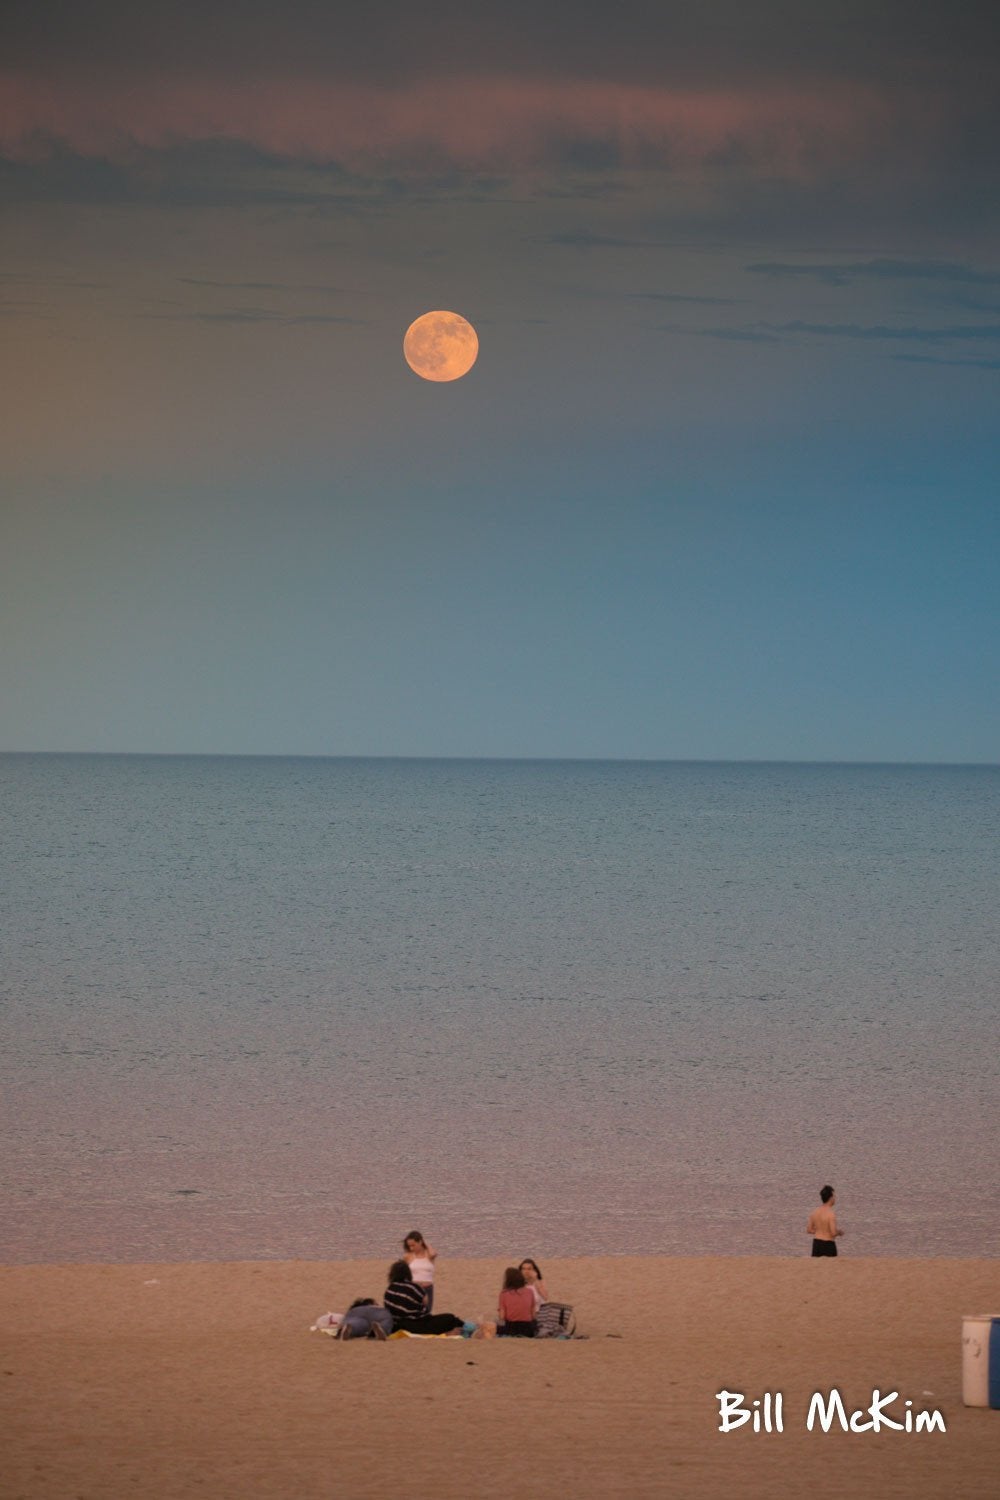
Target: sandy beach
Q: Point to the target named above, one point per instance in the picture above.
(179, 1380)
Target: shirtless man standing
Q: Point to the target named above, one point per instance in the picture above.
(823, 1224)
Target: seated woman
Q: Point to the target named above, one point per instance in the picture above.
(532, 1273)
(516, 1308)
(407, 1304)
(364, 1319)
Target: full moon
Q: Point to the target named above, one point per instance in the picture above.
(440, 346)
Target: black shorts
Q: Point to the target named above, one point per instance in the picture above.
(824, 1247)
(431, 1323)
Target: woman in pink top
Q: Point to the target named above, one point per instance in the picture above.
(516, 1307)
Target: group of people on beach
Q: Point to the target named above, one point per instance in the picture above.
(408, 1301)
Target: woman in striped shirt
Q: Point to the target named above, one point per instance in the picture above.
(408, 1305)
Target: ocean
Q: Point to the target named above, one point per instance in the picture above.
(262, 1008)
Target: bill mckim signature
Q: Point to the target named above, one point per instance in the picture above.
(766, 1413)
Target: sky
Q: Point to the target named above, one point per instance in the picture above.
(722, 484)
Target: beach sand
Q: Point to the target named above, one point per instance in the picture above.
(203, 1380)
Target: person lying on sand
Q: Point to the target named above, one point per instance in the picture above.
(364, 1319)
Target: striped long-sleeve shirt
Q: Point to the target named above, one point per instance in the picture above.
(405, 1300)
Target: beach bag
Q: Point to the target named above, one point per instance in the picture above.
(328, 1323)
(555, 1320)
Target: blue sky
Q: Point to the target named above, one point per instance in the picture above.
(722, 484)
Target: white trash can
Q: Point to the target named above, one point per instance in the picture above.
(981, 1360)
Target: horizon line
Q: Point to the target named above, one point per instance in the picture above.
(638, 760)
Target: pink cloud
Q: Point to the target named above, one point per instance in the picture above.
(492, 124)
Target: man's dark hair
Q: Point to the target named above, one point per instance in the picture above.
(826, 1193)
(400, 1271)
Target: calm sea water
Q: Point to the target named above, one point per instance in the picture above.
(292, 1008)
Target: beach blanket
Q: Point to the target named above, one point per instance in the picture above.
(402, 1333)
